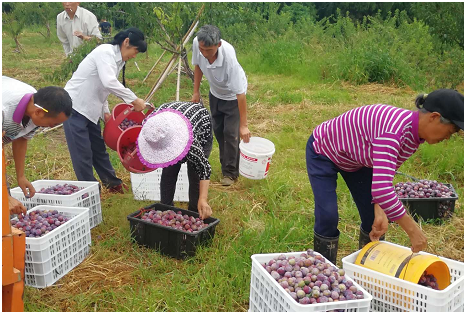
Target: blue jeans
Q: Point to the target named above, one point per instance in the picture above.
(322, 174)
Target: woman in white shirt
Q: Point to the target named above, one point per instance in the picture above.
(89, 87)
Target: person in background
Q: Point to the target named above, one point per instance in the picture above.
(366, 146)
(176, 133)
(105, 27)
(89, 87)
(74, 25)
(24, 109)
(216, 59)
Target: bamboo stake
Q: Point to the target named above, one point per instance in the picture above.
(157, 62)
(161, 78)
(178, 81)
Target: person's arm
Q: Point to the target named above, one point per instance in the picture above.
(202, 206)
(62, 37)
(385, 152)
(19, 155)
(202, 167)
(197, 83)
(108, 72)
(16, 207)
(243, 118)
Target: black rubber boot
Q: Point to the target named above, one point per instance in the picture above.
(364, 238)
(327, 246)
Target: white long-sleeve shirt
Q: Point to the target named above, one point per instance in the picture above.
(95, 79)
(84, 21)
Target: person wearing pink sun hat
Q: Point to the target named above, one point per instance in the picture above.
(176, 133)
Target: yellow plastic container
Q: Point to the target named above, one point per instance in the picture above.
(402, 263)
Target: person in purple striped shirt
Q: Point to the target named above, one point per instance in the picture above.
(366, 145)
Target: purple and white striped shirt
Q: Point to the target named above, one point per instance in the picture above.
(381, 137)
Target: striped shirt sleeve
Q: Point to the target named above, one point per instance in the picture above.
(385, 150)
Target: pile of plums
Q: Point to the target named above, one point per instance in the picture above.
(309, 279)
(39, 222)
(65, 189)
(423, 189)
(174, 220)
(428, 280)
(126, 123)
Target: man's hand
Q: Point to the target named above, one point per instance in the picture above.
(204, 209)
(139, 104)
(380, 225)
(16, 207)
(196, 97)
(25, 185)
(244, 133)
(107, 116)
(80, 34)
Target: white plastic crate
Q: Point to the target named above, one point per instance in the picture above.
(392, 294)
(53, 255)
(266, 294)
(146, 186)
(88, 197)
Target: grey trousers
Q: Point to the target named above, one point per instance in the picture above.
(225, 123)
(170, 176)
(87, 149)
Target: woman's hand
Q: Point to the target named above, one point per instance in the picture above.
(107, 117)
(16, 207)
(204, 209)
(25, 185)
(415, 234)
(139, 104)
(380, 225)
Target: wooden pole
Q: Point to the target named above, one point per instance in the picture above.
(157, 62)
(178, 81)
(162, 77)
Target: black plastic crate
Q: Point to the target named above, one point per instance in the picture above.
(433, 207)
(175, 243)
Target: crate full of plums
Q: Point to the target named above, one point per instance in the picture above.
(397, 294)
(172, 231)
(427, 199)
(303, 282)
(57, 240)
(64, 193)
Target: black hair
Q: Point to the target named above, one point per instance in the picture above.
(210, 35)
(420, 100)
(136, 39)
(55, 99)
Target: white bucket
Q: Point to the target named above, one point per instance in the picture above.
(255, 158)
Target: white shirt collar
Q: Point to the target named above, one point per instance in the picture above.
(78, 13)
(219, 61)
(118, 56)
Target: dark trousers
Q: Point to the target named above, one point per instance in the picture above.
(322, 174)
(170, 176)
(87, 149)
(225, 123)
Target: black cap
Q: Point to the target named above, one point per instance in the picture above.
(449, 103)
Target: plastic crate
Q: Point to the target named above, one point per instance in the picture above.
(266, 294)
(392, 294)
(146, 186)
(430, 208)
(175, 243)
(88, 197)
(53, 255)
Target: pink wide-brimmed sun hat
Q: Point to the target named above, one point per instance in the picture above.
(165, 138)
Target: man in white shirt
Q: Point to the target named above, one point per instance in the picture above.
(216, 59)
(74, 25)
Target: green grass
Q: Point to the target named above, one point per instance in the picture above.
(264, 216)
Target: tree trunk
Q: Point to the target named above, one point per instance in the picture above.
(19, 47)
(47, 25)
(184, 57)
